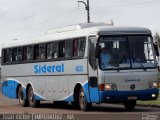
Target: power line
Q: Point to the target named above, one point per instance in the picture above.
(40, 23)
(66, 13)
(14, 11)
(21, 10)
(131, 4)
(41, 12)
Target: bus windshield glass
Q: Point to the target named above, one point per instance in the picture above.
(126, 52)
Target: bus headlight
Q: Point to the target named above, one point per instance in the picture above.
(111, 86)
(152, 84)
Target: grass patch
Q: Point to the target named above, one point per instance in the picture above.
(151, 102)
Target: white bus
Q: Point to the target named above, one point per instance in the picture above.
(67, 65)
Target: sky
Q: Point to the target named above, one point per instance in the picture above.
(25, 19)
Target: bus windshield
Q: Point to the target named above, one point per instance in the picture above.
(126, 52)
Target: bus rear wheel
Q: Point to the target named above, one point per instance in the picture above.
(130, 105)
(83, 104)
(21, 97)
(31, 98)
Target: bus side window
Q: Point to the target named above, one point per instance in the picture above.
(24, 53)
(68, 48)
(30, 53)
(81, 47)
(62, 49)
(52, 50)
(42, 49)
(49, 51)
(10, 55)
(14, 54)
(92, 52)
(3, 59)
(6, 56)
(36, 52)
(75, 47)
(19, 54)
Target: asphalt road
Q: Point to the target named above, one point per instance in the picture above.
(103, 111)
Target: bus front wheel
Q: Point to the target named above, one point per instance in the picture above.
(31, 98)
(23, 102)
(83, 104)
(130, 105)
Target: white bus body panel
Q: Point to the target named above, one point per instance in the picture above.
(125, 78)
(56, 85)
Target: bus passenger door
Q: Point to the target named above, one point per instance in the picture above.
(92, 69)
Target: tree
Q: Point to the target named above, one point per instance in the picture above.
(157, 38)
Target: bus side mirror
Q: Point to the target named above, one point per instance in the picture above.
(156, 49)
(97, 51)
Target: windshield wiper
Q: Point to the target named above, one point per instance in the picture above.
(119, 66)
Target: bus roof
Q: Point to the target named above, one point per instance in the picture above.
(80, 30)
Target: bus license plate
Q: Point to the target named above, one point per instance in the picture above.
(132, 98)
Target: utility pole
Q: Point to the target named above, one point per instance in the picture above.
(87, 8)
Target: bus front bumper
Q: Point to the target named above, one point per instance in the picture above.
(121, 96)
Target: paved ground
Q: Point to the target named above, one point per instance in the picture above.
(114, 112)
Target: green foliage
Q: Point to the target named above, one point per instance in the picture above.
(157, 38)
(148, 103)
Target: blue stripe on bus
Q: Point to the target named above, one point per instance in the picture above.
(9, 88)
(86, 91)
(70, 98)
(37, 97)
(67, 99)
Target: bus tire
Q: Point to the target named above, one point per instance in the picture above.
(21, 97)
(130, 105)
(31, 98)
(83, 104)
(75, 105)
